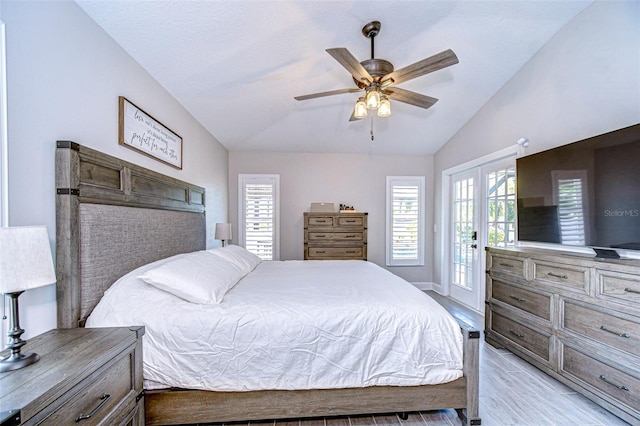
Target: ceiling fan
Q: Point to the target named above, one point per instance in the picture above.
(378, 78)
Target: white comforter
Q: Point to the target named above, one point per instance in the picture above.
(291, 325)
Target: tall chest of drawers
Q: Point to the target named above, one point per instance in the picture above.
(85, 376)
(335, 236)
(573, 316)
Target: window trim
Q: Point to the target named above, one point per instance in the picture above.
(418, 181)
(274, 179)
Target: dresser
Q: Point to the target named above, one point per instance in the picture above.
(573, 316)
(84, 377)
(335, 236)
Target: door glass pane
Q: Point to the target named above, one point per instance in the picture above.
(501, 207)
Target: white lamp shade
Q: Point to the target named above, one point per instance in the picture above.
(25, 259)
(223, 231)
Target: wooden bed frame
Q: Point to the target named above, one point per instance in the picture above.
(113, 216)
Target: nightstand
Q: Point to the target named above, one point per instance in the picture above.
(85, 376)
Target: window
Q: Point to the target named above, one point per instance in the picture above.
(259, 217)
(569, 194)
(405, 220)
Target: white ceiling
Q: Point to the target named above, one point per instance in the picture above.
(236, 65)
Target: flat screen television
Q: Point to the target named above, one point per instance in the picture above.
(586, 193)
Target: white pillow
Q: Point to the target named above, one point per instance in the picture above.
(197, 277)
(239, 256)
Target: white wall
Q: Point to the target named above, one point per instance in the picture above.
(353, 179)
(585, 81)
(64, 78)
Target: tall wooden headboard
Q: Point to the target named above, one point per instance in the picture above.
(112, 217)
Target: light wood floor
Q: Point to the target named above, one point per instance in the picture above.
(512, 392)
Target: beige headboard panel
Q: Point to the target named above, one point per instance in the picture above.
(111, 217)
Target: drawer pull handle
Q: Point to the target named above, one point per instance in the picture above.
(604, 379)
(506, 265)
(350, 221)
(321, 221)
(625, 335)
(320, 251)
(630, 290)
(351, 251)
(103, 400)
(551, 274)
(321, 236)
(521, 336)
(349, 236)
(519, 299)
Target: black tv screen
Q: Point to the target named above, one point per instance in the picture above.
(586, 193)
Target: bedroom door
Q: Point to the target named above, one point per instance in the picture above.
(463, 273)
(482, 213)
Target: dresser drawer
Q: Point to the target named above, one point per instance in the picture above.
(605, 378)
(621, 287)
(338, 252)
(574, 278)
(529, 301)
(320, 220)
(335, 236)
(524, 336)
(507, 264)
(350, 221)
(111, 388)
(617, 332)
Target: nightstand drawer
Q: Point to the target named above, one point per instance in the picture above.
(534, 303)
(617, 332)
(93, 403)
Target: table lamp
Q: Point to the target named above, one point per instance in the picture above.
(223, 232)
(25, 263)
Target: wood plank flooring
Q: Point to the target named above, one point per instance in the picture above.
(512, 392)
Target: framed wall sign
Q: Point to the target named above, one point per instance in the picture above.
(141, 132)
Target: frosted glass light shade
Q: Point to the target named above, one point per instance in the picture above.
(25, 259)
(373, 99)
(360, 110)
(385, 107)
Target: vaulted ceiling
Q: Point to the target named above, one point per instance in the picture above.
(237, 65)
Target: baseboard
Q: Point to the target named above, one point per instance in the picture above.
(424, 285)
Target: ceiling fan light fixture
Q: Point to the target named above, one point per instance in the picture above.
(385, 107)
(373, 98)
(360, 110)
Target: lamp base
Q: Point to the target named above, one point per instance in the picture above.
(11, 362)
(16, 359)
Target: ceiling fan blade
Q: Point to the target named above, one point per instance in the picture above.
(329, 93)
(425, 66)
(409, 97)
(347, 60)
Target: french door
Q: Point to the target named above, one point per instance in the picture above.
(482, 211)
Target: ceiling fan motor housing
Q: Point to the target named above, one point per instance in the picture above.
(378, 68)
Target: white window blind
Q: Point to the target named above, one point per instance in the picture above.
(405, 220)
(569, 196)
(259, 214)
